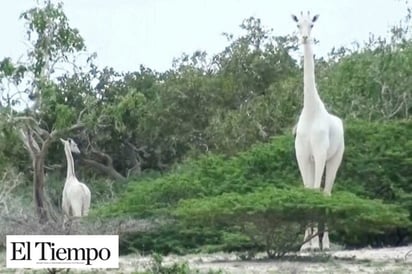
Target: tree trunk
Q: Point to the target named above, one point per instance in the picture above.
(38, 189)
(38, 154)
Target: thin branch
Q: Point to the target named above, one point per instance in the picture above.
(58, 132)
(104, 156)
(37, 133)
(138, 149)
(31, 146)
(80, 115)
(53, 167)
(23, 137)
(399, 108)
(109, 170)
(32, 143)
(23, 118)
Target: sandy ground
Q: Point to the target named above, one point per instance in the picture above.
(383, 260)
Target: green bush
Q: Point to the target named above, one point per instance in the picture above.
(379, 157)
(270, 164)
(295, 204)
(273, 218)
(376, 165)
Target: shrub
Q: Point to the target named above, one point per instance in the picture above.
(270, 164)
(377, 159)
(376, 165)
(273, 218)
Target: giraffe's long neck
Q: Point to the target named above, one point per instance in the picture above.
(311, 101)
(70, 162)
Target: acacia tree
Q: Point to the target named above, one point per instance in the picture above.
(54, 45)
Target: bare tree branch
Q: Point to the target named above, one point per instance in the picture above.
(37, 134)
(103, 157)
(59, 132)
(80, 115)
(23, 118)
(24, 139)
(138, 149)
(30, 144)
(399, 108)
(106, 169)
(102, 163)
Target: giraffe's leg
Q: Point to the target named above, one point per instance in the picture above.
(307, 245)
(65, 219)
(307, 172)
(67, 224)
(319, 143)
(320, 161)
(332, 166)
(315, 240)
(325, 240)
(305, 163)
(67, 211)
(306, 168)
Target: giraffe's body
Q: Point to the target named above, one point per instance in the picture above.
(319, 141)
(76, 195)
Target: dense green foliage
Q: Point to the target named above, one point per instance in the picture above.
(205, 147)
(263, 185)
(273, 217)
(379, 156)
(264, 165)
(376, 164)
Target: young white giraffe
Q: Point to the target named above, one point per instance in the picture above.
(319, 141)
(76, 195)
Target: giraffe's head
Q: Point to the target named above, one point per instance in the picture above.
(305, 24)
(71, 144)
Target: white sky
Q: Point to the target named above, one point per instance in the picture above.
(127, 33)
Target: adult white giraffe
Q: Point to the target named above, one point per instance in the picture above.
(319, 141)
(76, 195)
